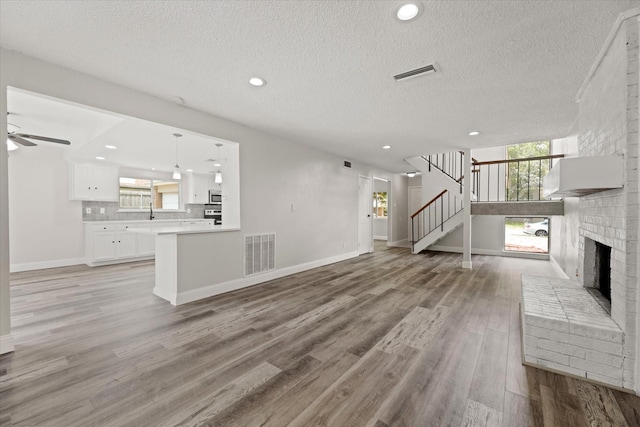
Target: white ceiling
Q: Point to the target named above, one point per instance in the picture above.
(140, 144)
(510, 69)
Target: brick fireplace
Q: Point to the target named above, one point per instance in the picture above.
(566, 327)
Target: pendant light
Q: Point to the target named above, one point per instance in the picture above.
(176, 170)
(218, 177)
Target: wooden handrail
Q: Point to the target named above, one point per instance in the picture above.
(427, 205)
(495, 162)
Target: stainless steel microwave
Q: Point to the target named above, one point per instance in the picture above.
(215, 197)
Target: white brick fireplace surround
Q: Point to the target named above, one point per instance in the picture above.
(564, 328)
(567, 330)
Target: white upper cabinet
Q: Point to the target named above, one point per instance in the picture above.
(197, 188)
(93, 182)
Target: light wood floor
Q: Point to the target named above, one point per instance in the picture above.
(386, 339)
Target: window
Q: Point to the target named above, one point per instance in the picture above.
(140, 193)
(380, 204)
(526, 235)
(524, 178)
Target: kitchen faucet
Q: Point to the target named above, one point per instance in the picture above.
(151, 211)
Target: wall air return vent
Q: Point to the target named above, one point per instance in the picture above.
(259, 253)
(422, 71)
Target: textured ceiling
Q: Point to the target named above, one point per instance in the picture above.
(510, 69)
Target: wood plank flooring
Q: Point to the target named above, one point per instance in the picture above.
(385, 339)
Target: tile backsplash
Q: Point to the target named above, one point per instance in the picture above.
(111, 212)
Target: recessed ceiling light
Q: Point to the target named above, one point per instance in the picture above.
(257, 81)
(411, 174)
(217, 165)
(100, 158)
(408, 11)
(110, 147)
(153, 169)
(189, 170)
(474, 133)
(386, 147)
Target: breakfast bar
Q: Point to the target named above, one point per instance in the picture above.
(195, 261)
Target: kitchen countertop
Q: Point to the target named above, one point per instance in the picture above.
(145, 221)
(185, 229)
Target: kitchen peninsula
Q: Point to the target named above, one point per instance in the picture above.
(195, 261)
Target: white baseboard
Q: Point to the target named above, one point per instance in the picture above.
(172, 297)
(558, 269)
(467, 265)
(380, 238)
(40, 265)
(232, 285)
(6, 344)
(404, 243)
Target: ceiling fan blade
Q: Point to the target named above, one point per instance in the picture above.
(20, 141)
(43, 138)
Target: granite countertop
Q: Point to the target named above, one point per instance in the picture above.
(145, 221)
(186, 229)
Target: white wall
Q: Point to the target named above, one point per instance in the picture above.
(274, 174)
(46, 227)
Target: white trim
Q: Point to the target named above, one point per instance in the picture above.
(605, 48)
(492, 252)
(404, 243)
(380, 238)
(467, 265)
(169, 296)
(232, 285)
(6, 344)
(28, 266)
(557, 268)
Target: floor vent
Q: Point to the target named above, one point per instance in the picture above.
(259, 253)
(415, 73)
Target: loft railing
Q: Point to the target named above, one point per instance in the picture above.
(433, 215)
(450, 164)
(511, 180)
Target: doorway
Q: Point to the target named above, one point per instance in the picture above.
(380, 209)
(365, 204)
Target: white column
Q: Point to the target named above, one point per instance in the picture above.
(466, 230)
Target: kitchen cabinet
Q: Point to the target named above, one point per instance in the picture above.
(93, 182)
(111, 243)
(114, 245)
(198, 188)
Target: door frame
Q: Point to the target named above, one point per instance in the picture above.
(370, 219)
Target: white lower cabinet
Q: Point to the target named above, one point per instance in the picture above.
(111, 243)
(108, 245)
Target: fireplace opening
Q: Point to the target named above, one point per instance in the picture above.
(603, 270)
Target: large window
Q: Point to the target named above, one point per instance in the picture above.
(524, 178)
(137, 193)
(526, 235)
(380, 204)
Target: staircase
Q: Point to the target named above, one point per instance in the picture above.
(443, 213)
(492, 193)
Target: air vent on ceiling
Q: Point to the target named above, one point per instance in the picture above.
(428, 69)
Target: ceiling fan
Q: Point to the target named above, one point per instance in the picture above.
(23, 138)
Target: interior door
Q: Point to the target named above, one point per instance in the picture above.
(365, 209)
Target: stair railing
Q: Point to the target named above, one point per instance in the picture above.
(511, 180)
(451, 164)
(433, 215)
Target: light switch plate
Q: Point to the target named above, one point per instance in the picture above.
(87, 210)
(102, 210)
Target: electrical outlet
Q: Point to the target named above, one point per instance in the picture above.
(102, 210)
(87, 210)
(188, 210)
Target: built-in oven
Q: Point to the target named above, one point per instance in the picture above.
(214, 212)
